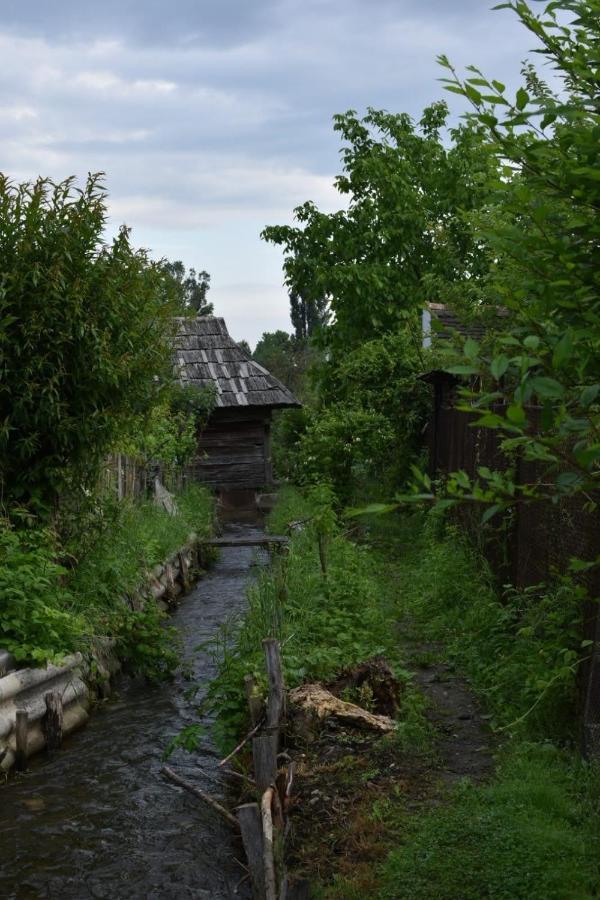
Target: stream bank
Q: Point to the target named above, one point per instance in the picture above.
(98, 821)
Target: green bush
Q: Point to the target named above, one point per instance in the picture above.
(37, 621)
(519, 648)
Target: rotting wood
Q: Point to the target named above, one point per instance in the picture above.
(52, 722)
(268, 850)
(250, 823)
(21, 739)
(210, 801)
(264, 754)
(241, 744)
(315, 700)
(255, 703)
(276, 699)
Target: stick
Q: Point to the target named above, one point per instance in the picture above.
(53, 721)
(172, 776)
(264, 754)
(241, 744)
(268, 858)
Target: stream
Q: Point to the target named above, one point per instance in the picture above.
(98, 820)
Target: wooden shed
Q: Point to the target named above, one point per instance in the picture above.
(234, 448)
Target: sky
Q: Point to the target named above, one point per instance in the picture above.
(214, 119)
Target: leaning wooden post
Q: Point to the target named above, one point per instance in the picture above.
(21, 739)
(53, 721)
(264, 752)
(254, 699)
(276, 700)
(251, 827)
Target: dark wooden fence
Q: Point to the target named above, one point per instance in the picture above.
(539, 539)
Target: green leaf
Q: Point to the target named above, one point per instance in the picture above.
(563, 350)
(471, 348)
(589, 394)
(522, 98)
(516, 414)
(490, 511)
(499, 366)
(547, 388)
(462, 370)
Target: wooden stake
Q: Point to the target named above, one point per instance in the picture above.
(21, 739)
(252, 838)
(268, 855)
(264, 753)
(241, 744)
(254, 699)
(52, 723)
(214, 804)
(276, 701)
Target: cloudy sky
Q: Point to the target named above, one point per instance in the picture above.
(213, 119)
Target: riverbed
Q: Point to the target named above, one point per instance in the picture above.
(98, 821)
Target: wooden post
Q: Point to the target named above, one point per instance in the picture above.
(52, 723)
(268, 850)
(21, 736)
(264, 752)
(252, 838)
(254, 699)
(276, 701)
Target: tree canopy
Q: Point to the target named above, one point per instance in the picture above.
(84, 336)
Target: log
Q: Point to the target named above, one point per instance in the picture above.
(255, 704)
(210, 801)
(264, 754)
(21, 739)
(52, 722)
(249, 819)
(321, 703)
(268, 854)
(276, 700)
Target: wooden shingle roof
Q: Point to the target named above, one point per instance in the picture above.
(205, 354)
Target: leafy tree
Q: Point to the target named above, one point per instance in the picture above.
(245, 346)
(403, 238)
(284, 356)
(189, 287)
(307, 315)
(84, 336)
(540, 376)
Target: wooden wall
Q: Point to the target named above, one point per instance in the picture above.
(234, 450)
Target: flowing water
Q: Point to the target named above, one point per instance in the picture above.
(98, 820)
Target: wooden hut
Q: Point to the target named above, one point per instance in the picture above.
(234, 448)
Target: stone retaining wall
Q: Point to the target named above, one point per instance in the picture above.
(25, 689)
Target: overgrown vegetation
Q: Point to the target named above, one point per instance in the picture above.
(49, 609)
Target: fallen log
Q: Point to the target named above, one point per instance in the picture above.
(210, 801)
(316, 701)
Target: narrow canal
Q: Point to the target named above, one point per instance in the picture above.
(99, 821)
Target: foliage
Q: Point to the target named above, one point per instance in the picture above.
(168, 433)
(367, 427)
(84, 336)
(188, 287)
(520, 649)
(47, 609)
(408, 188)
(325, 624)
(286, 357)
(538, 379)
(531, 834)
(37, 622)
(307, 315)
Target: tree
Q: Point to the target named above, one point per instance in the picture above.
(403, 238)
(283, 356)
(190, 287)
(84, 337)
(307, 315)
(537, 382)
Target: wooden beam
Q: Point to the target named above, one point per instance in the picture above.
(267, 541)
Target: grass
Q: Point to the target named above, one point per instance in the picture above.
(531, 834)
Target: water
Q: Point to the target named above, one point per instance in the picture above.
(98, 820)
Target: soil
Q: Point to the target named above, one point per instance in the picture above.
(354, 791)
